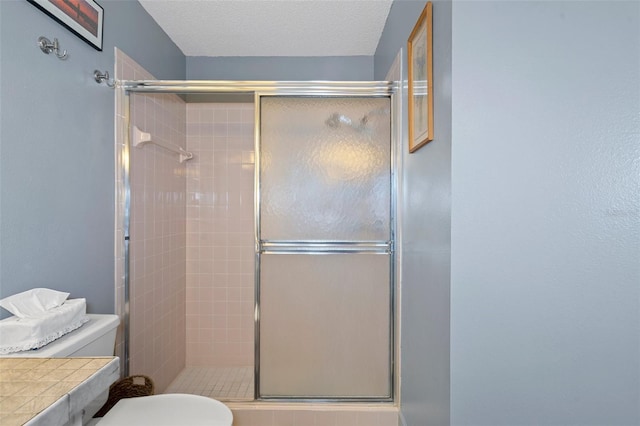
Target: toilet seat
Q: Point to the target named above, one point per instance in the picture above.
(168, 410)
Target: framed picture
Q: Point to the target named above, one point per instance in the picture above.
(84, 18)
(420, 59)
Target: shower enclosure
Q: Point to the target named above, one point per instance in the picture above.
(312, 291)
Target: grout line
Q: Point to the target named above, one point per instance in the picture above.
(231, 383)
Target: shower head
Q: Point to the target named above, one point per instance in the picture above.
(335, 120)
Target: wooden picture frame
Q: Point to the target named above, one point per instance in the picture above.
(420, 60)
(84, 18)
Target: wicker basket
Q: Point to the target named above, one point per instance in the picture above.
(129, 387)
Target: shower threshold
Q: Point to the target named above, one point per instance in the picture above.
(221, 383)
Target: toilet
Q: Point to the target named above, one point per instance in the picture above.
(168, 410)
(97, 338)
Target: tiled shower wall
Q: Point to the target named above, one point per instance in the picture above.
(158, 241)
(158, 235)
(220, 224)
(189, 305)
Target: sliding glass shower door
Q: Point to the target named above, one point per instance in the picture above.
(324, 248)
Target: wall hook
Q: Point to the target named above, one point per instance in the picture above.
(104, 78)
(52, 47)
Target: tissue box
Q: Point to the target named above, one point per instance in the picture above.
(22, 334)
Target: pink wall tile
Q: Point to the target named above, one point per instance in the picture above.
(304, 417)
(368, 419)
(158, 236)
(283, 418)
(314, 415)
(219, 220)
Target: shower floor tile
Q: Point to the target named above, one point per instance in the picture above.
(222, 383)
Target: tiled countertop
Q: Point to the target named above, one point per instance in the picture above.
(51, 391)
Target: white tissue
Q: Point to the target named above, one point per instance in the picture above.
(34, 302)
(22, 334)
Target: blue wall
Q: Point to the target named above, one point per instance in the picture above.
(545, 284)
(337, 68)
(426, 227)
(545, 232)
(57, 148)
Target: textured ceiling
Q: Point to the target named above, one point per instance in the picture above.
(272, 27)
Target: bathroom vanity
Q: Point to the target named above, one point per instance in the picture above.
(52, 391)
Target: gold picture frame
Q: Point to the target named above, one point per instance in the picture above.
(420, 59)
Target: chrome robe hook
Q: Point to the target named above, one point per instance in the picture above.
(52, 47)
(104, 78)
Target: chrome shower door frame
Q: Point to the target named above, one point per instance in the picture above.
(321, 89)
(328, 247)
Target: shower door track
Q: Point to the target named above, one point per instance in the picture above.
(269, 88)
(281, 88)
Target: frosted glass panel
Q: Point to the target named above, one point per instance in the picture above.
(324, 325)
(325, 168)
